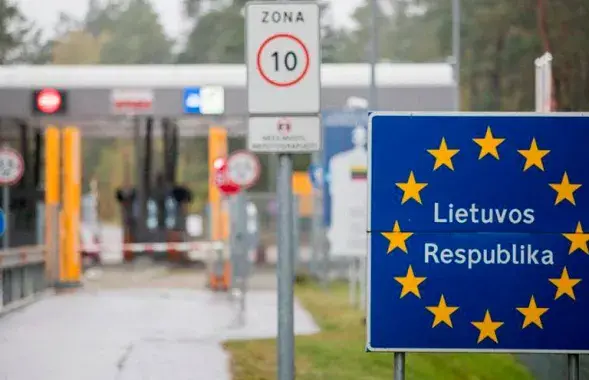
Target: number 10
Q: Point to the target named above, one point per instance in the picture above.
(290, 61)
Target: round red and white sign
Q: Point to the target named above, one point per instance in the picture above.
(243, 168)
(49, 100)
(12, 166)
(283, 60)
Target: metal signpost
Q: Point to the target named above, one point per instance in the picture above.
(283, 59)
(243, 169)
(12, 168)
(226, 188)
(477, 240)
(543, 75)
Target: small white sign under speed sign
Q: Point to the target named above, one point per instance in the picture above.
(243, 168)
(11, 166)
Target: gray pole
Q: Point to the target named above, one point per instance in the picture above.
(6, 208)
(285, 272)
(573, 366)
(373, 55)
(296, 234)
(456, 50)
(240, 252)
(399, 372)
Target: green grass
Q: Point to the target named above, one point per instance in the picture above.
(337, 352)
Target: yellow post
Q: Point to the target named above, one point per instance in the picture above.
(70, 277)
(217, 148)
(52, 191)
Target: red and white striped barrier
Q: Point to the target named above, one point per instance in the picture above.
(203, 246)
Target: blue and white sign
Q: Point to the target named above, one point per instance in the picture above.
(345, 161)
(316, 175)
(2, 222)
(206, 100)
(478, 232)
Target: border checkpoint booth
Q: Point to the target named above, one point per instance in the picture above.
(148, 101)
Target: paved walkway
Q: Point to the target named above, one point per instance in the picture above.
(133, 334)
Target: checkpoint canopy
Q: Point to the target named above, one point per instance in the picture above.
(98, 98)
(478, 232)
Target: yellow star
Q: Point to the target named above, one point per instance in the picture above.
(410, 283)
(487, 328)
(533, 156)
(442, 312)
(443, 155)
(532, 313)
(411, 189)
(565, 190)
(578, 240)
(489, 144)
(564, 284)
(397, 238)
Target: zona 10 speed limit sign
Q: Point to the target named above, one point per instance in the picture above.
(283, 57)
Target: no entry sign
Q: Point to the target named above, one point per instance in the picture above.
(283, 57)
(225, 184)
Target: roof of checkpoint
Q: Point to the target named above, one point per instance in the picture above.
(229, 75)
(232, 77)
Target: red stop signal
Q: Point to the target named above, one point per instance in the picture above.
(49, 101)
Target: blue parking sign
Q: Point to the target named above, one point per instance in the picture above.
(192, 100)
(478, 232)
(2, 222)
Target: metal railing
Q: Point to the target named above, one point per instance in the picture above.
(22, 274)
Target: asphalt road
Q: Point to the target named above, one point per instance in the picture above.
(137, 322)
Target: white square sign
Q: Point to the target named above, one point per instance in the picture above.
(283, 57)
(300, 134)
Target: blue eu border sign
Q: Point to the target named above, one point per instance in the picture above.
(479, 232)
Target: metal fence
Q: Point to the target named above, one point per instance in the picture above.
(23, 266)
(22, 274)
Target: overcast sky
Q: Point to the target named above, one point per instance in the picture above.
(45, 12)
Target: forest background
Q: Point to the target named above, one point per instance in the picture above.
(500, 40)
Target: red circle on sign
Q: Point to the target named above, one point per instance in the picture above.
(259, 60)
(16, 155)
(48, 100)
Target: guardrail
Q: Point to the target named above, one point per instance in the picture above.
(22, 275)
